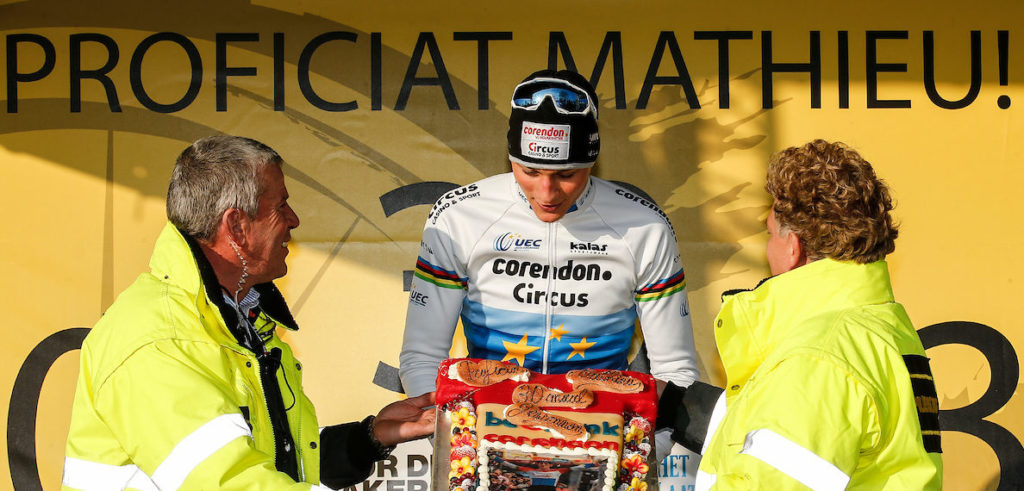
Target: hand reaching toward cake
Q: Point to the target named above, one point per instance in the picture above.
(405, 420)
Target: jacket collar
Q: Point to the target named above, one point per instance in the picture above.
(178, 260)
(586, 197)
(753, 323)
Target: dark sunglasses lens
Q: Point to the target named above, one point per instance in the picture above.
(563, 97)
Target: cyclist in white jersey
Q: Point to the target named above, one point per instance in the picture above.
(548, 266)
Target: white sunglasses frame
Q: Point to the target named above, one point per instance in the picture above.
(591, 105)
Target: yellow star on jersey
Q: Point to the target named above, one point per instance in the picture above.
(557, 332)
(518, 351)
(579, 348)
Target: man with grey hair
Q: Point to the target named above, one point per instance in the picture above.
(184, 382)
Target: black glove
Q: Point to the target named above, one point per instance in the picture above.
(687, 410)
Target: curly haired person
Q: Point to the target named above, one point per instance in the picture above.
(827, 383)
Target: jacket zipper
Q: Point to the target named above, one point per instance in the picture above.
(266, 405)
(547, 299)
(283, 445)
(298, 428)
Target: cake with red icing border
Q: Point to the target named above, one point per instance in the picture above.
(503, 427)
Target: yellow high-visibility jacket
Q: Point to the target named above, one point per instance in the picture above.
(828, 387)
(168, 398)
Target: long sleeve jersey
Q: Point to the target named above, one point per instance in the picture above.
(550, 296)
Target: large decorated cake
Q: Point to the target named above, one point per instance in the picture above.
(503, 427)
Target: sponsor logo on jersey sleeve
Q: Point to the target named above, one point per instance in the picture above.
(451, 198)
(642, 201)
(426, 248)
(418, 298)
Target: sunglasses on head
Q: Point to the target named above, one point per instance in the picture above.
(566, 97)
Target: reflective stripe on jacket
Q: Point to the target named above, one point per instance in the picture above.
(168, 399)
(819, 364)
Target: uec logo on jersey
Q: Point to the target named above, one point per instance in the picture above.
(512, 241)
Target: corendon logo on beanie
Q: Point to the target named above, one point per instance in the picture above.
(545, 141)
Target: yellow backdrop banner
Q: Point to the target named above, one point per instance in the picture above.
(381, 107)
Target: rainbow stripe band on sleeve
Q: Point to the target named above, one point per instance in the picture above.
(438, 276)
(662, 288)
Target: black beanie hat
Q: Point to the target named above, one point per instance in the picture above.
(544, 138)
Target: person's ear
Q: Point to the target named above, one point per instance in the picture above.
(234, 225)
(796, 255)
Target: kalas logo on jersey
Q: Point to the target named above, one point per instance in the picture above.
(509, 241)
(588, 248)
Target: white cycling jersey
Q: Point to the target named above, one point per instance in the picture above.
(549, 296)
